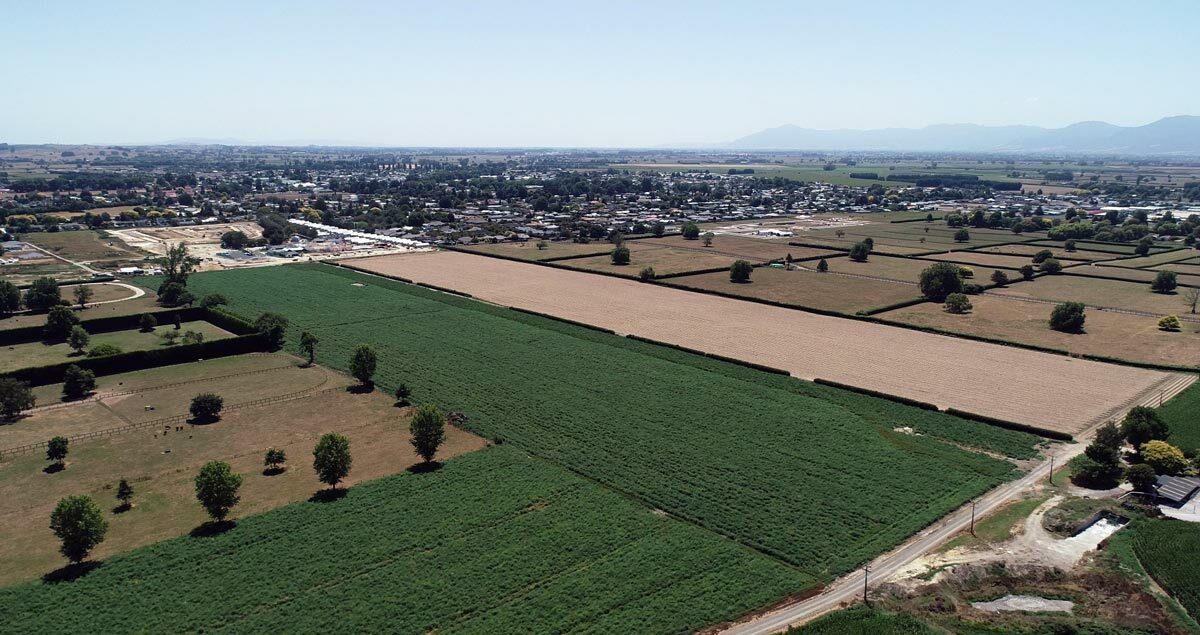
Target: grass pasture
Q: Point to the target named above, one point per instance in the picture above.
(1027, 251)
(1109, 334)
(161, 461)
(975, 259)
(503, 543)
(638, 417)
(1117, 294)
(554, 249)
(740, 247)
(84, 246)
(902, 269)
(664, 259)
(1154, 259)
(145, 304)
(825, 291)
(42, 354)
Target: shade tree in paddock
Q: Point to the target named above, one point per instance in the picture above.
(56, 451)
(206, 407)
(363, 363)
(78, 382)
(740, 272)
(331, 459)
(79, 525)
(940, 280)
(217, 488)
(1068, 317)
(308, 346)
(83, 294)
(10, 298)
(1164, 282)
(59, 322)
(15, 397)
(428, 430)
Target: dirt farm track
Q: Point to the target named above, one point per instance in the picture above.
(1047, 391)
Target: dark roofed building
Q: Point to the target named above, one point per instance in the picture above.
(1176, 489)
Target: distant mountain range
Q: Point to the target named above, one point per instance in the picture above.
(1171, 135)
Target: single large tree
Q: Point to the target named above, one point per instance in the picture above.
(217, 489)
(178, 264)
(42, 294)
(308, 346)
(206, 407)
(740, 271)
(78, 338)
(125, 494)
(56, 450)
(78, 522)
(59, 322)
(1190, 297)
(1143, 424)
(860, 252)
(362, 364)
(620, 255)
(331, 459)
(10, 298)
(15, 397)
(83, 294)
(274, 327)
(77, 382)
(940, 280)
(1164, 282)
(1068, 317)
(428, 429)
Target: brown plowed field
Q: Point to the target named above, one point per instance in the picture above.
(1043, 390)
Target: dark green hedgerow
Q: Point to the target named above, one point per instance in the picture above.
(735, 450)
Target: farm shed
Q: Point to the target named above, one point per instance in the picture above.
(1176, 489)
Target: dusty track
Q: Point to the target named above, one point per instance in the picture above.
(1039, 389)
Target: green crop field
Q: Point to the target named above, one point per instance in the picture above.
(1182, 413)
(741, 452)
(1166, 549)
(495, 541)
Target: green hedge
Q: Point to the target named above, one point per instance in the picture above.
(924, 405)
(564, 320)
(695, 351)
(895, 305)
(109, 324)
(64, 283)
(1010, 425)
(139, 360)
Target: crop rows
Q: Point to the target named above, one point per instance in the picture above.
(812, 475)
(864, 621)
(1167, 548)
(495, 541)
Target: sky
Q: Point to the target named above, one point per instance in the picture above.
(579, 74)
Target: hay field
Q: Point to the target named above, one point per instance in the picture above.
(941, 370)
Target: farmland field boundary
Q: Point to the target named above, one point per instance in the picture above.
(172, 420)
(119, 393)
(816, 311)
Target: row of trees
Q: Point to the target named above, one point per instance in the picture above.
(42, 295)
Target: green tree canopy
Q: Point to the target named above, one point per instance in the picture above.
(217, 489)
(940, 280)
(428, 429)
(331, 459)
(80, 525)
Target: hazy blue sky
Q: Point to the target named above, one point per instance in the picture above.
(569, 73)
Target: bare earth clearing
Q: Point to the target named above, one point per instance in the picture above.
(1038, 389)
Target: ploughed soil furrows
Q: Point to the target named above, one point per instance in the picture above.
(1047, 391)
